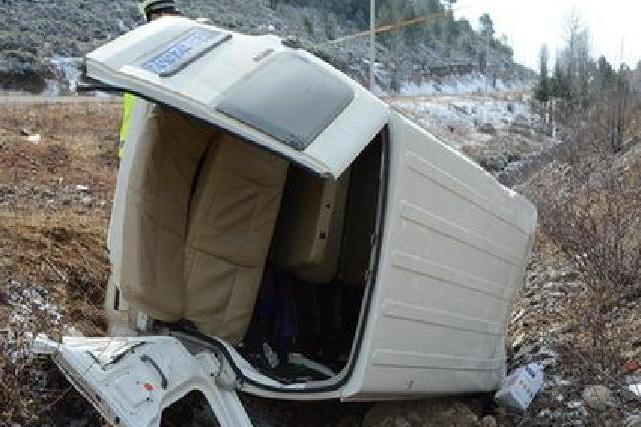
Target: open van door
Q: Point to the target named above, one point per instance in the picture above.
(285, 100)
(131, 380)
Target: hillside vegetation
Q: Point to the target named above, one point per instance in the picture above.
(32, 32)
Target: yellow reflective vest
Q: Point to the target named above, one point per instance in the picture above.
(127, 108)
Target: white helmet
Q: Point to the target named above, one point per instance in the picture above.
(149, 7)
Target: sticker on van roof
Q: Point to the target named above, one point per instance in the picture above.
(184, 51)
(289, 99)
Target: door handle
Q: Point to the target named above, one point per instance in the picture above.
(163, 378)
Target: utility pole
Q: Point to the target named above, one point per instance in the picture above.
(372, 47)
(487, 63)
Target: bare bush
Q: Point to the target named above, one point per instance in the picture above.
(596, 222)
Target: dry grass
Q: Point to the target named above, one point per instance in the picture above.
(589, 203)
(53, 236)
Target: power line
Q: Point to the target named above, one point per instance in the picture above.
(424, 19)
(390, 27)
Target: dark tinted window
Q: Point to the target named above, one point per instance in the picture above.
(290, 99)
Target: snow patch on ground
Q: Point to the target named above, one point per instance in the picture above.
(465, 114)
(30, 309)
(69, 69)
(461, 84)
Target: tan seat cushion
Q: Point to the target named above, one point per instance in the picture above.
(232, 218)
(166, 154)
(199, 213)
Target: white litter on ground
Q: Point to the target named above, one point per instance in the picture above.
(519, 389)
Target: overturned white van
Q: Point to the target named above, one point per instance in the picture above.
(264, 196)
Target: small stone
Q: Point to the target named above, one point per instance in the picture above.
(597, 397)
(518, 341)
(546, 413)
(488, 421)
(351, 421)
(487, 128)
(575, 404)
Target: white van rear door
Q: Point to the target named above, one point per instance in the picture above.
(131, 380)
(286, 100)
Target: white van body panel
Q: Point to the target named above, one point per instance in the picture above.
(200, 87)
(446, 267)
(453, 255)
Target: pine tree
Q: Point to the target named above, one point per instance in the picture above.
(560, 85)
(486, 26)
(542, 90)
(450, 4)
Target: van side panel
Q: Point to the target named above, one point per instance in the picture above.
(453, 256)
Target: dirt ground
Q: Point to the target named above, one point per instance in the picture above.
(55, 203)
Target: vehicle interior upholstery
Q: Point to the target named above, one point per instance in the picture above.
(239, 244)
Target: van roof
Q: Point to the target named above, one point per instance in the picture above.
(284, 99)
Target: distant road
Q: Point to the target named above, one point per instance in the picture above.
(40, 100)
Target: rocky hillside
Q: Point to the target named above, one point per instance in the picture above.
(38, 36)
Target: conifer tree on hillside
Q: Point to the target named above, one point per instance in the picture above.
(450, 3)
(486, 25)
(542, 90)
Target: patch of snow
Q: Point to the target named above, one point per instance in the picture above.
(52, 88)
(459, 85)
(636, 389)
(70, 69)
(465, 114)
(31, 308)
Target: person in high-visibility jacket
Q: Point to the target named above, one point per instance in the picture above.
(151, 10)
(127, 108)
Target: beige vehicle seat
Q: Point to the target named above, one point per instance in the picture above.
(310, 227)
(199, 215)
(232, 219)
(165, 156)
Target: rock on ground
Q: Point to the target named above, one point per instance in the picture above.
(597, 397)
(430, 413)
